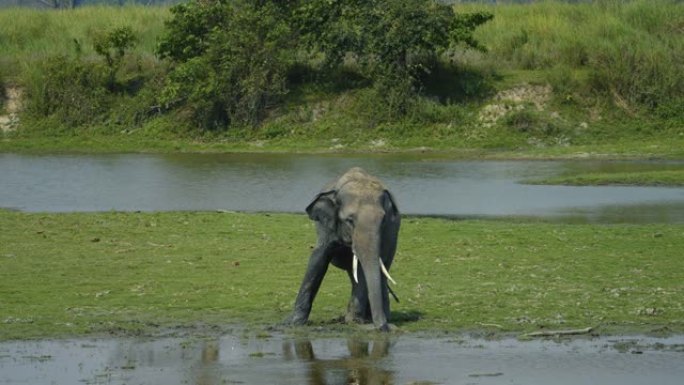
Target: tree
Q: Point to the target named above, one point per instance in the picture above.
(392, 41)
(230, 60)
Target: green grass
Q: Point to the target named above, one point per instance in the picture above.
(28, 35)
(640, 178)
(627, 51)
(92, 273)
(431, 139)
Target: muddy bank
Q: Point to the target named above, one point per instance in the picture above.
(240, 359)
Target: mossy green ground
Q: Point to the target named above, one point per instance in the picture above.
(619, 173)
(643, 178)
(93, 273)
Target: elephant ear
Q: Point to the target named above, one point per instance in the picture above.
(389, 203)
(323, 209)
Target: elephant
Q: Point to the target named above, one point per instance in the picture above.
(357, 223)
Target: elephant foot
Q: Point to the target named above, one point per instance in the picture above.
(355, 318)
(356, 313)
(295, 319)
(385, 328)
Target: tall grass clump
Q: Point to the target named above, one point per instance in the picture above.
(629, 51)
(82, 68)
(29, 35)
(112, 90)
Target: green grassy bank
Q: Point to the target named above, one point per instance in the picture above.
(596, 79)
(640, 178)
(97, 273)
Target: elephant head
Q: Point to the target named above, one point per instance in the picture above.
(357, 221)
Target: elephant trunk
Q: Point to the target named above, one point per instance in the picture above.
(366, 245)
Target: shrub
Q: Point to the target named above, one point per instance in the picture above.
(392, 42)
(73, 91)
(640, 74)
(112, 46)
(70, 90)
(232, 67)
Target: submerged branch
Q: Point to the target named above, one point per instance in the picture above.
(553, 333)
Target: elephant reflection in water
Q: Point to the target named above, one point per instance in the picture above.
(361, 367)
(206, 369)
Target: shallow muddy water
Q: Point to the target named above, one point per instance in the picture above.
(393, 360)
(286, 183)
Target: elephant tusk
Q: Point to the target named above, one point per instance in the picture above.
(384, 271)
(355, 268)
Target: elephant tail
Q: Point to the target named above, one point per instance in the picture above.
(393, 295)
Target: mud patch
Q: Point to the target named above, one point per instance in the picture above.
(9, 119)
(238, 359)
(515, 99)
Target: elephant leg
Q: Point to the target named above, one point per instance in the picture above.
(358, 310)
(315, 271)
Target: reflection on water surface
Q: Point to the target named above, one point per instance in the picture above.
(338, 361)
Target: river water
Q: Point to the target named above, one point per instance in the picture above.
(286, 183)
(362, 361)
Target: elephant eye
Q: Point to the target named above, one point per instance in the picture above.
(349, 221)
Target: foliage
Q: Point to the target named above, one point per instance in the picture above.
(232, 58)
(232, 67)
(628, 52)
(72, 91)
(635, 75)
(30, 35)
(392, 42)
(187, 32)
(594, 55)
(112, 46)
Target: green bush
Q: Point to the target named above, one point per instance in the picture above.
(75, 91)
(71, 91)
(394, 43)
(232, 67)
(112, 45)
(232, 60)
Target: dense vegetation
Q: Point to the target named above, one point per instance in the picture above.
(384, 73)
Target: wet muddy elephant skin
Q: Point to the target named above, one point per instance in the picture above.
(357, 221)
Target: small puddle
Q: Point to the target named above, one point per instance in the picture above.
(392, 360)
